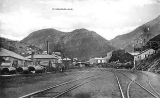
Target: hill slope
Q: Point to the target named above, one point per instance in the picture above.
(80, 43)
(144, 32)
(17, 47)
(40, 37)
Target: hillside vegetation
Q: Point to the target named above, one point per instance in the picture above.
(144, 32)
(80, 43)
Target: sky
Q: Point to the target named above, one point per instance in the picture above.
(108, 18)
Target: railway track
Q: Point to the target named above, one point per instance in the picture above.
(127, 85)
(119, 84)
(74, 87)
(128, 93)
(81, 81)
(150, 84)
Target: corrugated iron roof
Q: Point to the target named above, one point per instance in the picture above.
(7, 53)
(145, 51)
(42, 56)
(134, 53)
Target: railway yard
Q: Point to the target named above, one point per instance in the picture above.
(84, 83)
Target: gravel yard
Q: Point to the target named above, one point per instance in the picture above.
(105, 86)
(14, 87)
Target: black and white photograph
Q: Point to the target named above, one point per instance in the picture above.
(79, 48)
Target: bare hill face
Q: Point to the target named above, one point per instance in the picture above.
(144, 32)
(80, 43)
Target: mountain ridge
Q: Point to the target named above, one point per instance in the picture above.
(79, 43)
(144, 32)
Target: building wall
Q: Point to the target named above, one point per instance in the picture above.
(44, 62)
(93, 61)
(144, 54)
(20, 62)
(96, 60)
(15, 61)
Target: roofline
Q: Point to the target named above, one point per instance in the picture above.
(42, 58)
(143, 52)
(16, 58)
(23, 58)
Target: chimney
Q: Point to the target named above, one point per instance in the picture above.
(32, 54)
(47, 47)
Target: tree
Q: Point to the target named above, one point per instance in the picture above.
(126, 57)
(116, 55)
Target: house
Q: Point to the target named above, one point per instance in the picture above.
(67, 62)
(49, 62)
(42, 59)
(96, 60)
(134, 53)
(144, 54)
(13, 58)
